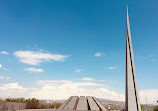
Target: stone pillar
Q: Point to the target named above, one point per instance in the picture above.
(132, 97)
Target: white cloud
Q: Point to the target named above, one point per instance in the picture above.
(98, 54)
(59, 91)
(112, 67)
(3, 77)
(78, 70)
(0, 65)
(62, 89)
(36, 57)
(15, 90)
(33, 70)
(4, 52)
(149, 96)
(88, 79)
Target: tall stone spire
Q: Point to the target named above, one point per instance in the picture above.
(132, 97)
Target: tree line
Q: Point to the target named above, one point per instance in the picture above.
(33, 103)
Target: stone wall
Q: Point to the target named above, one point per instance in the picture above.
(12, 105)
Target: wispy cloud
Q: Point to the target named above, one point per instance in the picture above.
(1, 67)
(112, 67)
(4, 52)
(7, 77)
(33, 70)
(4, 77)
(94, 80)
(98, 54)
(36, 57)
(52, 82)
(67, 83)
(151, 57)
(78, 70)
(141, 57)
(88, 79)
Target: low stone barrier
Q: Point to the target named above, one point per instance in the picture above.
(12, 105)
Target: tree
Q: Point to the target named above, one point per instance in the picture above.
(142, 107)
(1, 99)
(22, 100)
(155, 108)
(55, 105)
(32, 103)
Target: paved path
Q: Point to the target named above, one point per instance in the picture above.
(38, 110)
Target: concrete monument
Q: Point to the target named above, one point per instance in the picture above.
(132, 95)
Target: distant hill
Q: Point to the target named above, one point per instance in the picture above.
(120, 104)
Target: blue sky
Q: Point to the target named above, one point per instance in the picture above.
(78, 42)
